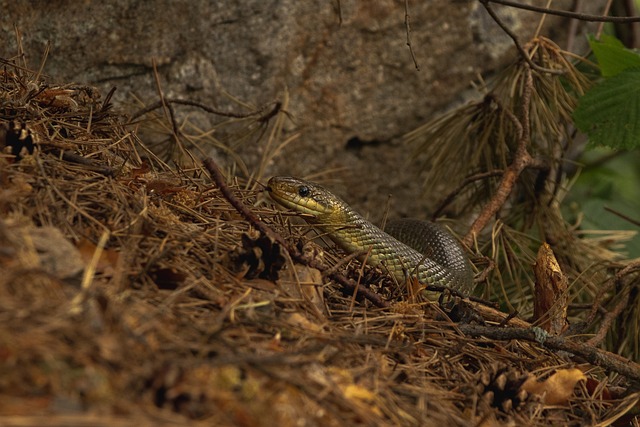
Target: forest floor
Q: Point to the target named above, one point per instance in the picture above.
(133, 293)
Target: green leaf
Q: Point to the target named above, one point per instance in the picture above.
(610, 112)
(612, 56)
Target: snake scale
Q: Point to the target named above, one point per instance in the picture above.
(411, 247)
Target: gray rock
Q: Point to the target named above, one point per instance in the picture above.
(345, 65)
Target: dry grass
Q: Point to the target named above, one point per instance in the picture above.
(127, 297)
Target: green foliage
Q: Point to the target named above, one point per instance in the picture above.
(612, 56)
(610, 112)
(612, 184)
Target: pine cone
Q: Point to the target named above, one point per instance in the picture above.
(500, 387)
(258, 257)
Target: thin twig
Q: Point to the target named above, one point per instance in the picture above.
(347, 284)
(521, 160)
(609, 318)
(468, 180)
(607, 8)
(407, 26)
(344, 261)
(607, 286)
(573, 27)
(88, 164)
(567, 14)
(523, 53)
(170, 115)
(623, 216)
(593, 355)
(612, 315)
(264, 112)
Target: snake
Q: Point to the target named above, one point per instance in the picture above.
(407, 248)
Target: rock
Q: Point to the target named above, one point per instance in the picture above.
(345, 64)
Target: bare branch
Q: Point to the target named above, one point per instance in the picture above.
(566, 14)
(523, 53)
(521, 160)
(593, 355)
(407, 26)
(468, 180)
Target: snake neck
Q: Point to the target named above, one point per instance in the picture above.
(351, 231)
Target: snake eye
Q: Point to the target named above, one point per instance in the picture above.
(303, 191)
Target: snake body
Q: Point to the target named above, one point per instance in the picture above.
(411, 247)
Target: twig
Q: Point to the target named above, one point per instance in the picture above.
(468, 180)
(609, 318)
(106, 104)
(407, 26)
(344, 261)
(615, 280)
(607, 7)
(339, 7)
(522, 159)
(593, 355)
(461, 294)
(87, 163)
(573, 27)
(623, 216)
(347, 284)
(89, 274)
(523, 53)
(265, 113)
(567, 14)
(618, 308)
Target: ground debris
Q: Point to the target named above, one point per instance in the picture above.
(169, 309)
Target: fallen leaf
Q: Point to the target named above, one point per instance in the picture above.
(550, 297)
(108, 258)
(558, 388)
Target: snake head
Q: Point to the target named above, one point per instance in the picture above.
(306, 198)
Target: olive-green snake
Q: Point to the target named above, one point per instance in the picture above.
(409, 247)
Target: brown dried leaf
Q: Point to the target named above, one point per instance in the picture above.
(56, 97)
(550, 300)
(108, 258)
(558, 388)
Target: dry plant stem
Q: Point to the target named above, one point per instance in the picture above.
(611, 316)
(344, 261)
(566, 14)
(168, 109)
(623, 216)
(591, 354)
(468, 180)
(597, 302)
(407, 25)
(573, 27)
(87, 163)
(522, 159)
(514, 38)
(349, 285)
(264, 113)
(607, 8)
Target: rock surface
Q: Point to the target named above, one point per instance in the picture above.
(352, 84)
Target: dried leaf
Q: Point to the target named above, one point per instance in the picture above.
(558, 388)
(550, 300)
(300, 321)
(108, 258)
(57, 97)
